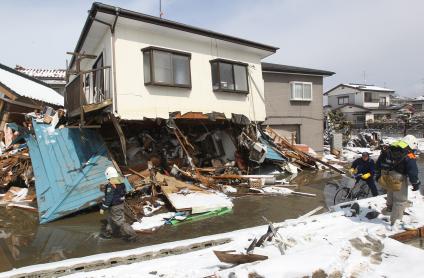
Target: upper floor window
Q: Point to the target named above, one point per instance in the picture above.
(301, 91)
(228, 76)
(371, 97)
(343, 100)
(383, 101)
(166, 67)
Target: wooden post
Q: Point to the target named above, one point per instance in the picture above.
(78, 57)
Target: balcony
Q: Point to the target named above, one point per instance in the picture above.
(89, 87)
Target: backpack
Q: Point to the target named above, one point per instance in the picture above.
(393, 168)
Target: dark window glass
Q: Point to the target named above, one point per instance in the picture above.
(146, 67)
(240, 78)
(343, 100)
(181, 69)
(368, 97)
(227, 76)
(98, 79)
(215, 76)
(163, 67)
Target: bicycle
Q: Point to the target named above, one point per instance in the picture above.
(346, 194)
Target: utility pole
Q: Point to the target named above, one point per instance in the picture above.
(160, 9)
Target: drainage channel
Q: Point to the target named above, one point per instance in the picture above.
(125, 260)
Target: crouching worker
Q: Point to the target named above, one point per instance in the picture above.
(114, 203)
(363, 169)
(395, 165)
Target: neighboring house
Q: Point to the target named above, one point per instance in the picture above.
(294, 102)
(365, 103)
(54, 78)
(397, 100)
(21, 94)
(149, 67)
(417, 103)
(355, 114)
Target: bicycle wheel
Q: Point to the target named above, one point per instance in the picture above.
(363, 191)
(342, 195)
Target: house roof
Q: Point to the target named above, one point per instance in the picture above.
(113, 10)
(44, 74)
(419, 98)
(353, 105)
(291, 69)
(361, 87)
(27, 86)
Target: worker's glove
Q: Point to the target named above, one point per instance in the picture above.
(353, 171)
(101, 211)
(357, 176)
(416, 186)
(366, 176)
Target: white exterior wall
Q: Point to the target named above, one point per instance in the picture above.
(136, 101)
(369, 117)
(359, 97)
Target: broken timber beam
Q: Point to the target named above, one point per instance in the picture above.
(287, 145)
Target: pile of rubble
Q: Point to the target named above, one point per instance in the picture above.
(17, 182)
(181, 169)
(365, 140)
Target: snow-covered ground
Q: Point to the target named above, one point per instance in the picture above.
(334, 243)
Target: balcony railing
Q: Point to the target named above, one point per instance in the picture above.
(94, 88)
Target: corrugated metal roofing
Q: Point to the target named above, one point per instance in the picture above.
(69, 167)
(271, 154)
(26, 86)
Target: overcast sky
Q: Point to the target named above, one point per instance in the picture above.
(379, 41)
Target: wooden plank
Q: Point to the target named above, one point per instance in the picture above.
(19, 103)
(226, 257)
(96, 106)
(7, 92)
(172, 186)
(408, 235)
(121, 135)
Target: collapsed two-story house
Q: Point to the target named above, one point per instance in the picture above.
(142, 66)
(361, 103)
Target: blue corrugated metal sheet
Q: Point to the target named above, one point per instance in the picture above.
(69, 166)
(270, 153)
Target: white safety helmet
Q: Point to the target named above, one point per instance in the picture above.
(412, 141)
(111, 173)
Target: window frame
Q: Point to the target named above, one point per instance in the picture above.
(342, 97)
(292, 87)
(374, 97)
(382, 103)
(152, 81)
(232, 63)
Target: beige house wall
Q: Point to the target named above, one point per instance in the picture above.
(136, 101)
